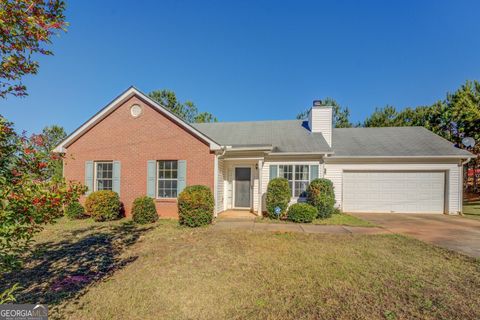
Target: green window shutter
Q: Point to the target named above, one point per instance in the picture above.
(273, 171)
(151, 176)
(182, 176)
(313, 172)
(116, 177)
(89, 176)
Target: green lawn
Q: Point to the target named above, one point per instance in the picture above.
(336, 219)
(344, 220)
(472, 209)
(87, 270)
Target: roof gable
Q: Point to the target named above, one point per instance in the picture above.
(113, 105)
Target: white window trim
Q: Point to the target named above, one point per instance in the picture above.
(293, 176)
(157, 196)
(95, 177)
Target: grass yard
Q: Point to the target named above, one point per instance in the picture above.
(336, 219)
(471, 209)
(87, 270)
(344, 220)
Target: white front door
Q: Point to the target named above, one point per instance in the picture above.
(394, 191)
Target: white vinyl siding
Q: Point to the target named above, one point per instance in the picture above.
(334, 172)
(394, 191)
(220, 186)
(320, 120)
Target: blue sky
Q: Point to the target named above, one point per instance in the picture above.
(253, 60)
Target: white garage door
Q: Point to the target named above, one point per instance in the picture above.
(400, 191)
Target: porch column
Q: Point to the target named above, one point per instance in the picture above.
(260, 202)
(215, 185)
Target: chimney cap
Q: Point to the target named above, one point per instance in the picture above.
(317, 103)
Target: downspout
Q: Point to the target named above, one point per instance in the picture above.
(460, 189)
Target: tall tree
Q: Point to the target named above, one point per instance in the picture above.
(26, 27)
(382, 117)
(187, 110)
(341, 116)
(50, 137)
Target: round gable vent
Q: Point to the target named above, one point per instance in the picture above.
(136, 111)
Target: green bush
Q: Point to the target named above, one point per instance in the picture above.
(75, 211)
(278, 195)
(195, 206)
(301, 212)
(320, 195)
(103, 205)
(144, 211)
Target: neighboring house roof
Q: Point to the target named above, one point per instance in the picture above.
(132, 91)
(283, 136)
(392, 142)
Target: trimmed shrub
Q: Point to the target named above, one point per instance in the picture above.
(320, 195)
(103, 205)
(144, 211)
(278, 195)
(75, 210)
(301, 212)
(195, 206)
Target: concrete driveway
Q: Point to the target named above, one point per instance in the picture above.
(451, 232)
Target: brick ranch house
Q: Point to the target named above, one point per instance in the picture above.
(136, 147)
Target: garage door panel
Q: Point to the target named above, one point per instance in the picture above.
(375, 191)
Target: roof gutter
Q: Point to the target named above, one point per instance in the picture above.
(405, 157)
(299, 153)
(262, 148)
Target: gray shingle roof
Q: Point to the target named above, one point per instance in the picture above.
(388, 142)
(293, 136)
(282, 135)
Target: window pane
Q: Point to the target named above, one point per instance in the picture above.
(301, 188)
(167, 179)
(103, 175)
(301, 172)
(167, 174)
(285, 171)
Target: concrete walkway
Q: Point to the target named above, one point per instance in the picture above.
(452, 232)
(244, 224)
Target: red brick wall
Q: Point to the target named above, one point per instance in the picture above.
(133, 141)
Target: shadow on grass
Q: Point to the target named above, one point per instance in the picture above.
(59, 271)
(472, 209)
